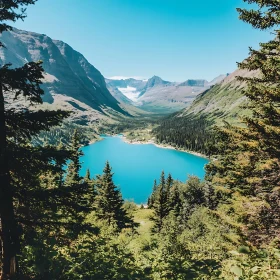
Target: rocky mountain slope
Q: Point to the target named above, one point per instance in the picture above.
(194, 83)
(157, 95)
(224, 101)
(70, 80)
(153, 82)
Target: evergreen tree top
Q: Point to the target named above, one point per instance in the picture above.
(267, 14)
(162, 179)
(107, 169)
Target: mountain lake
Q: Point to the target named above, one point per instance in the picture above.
(136, 166)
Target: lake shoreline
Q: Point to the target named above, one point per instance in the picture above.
(93, 141)
(162, 146)
(134, 142)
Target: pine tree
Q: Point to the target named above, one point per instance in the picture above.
(22, 81)
(175, 201)
(74, 167)
(151, 198)
(109, 202)
(80, 189)
(250, 156)
(160, 204)
(87, 176)
(91, 193)
(169, 184)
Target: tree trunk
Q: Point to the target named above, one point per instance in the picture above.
(8, 228)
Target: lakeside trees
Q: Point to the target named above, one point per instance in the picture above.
(187, 132)
(109, 202)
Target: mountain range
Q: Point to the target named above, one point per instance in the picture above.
(158, 95)
(72, 83)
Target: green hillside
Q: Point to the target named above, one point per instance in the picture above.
(223, 101)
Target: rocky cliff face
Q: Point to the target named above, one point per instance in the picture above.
(69, 77)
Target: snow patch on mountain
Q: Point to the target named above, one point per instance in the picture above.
(130, 92)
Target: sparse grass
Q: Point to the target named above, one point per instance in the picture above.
(143, 241)
(142, 216)
(140, 134)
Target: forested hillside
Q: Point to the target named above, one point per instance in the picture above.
(55, 224)
(191, 133)
(194, 126)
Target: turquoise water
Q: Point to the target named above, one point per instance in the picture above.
(136, 166)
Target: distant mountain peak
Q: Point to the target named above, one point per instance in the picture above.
(156, 81)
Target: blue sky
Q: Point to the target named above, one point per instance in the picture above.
(174, 39)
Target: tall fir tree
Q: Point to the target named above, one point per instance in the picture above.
(74, 167)
(175, 200)
(109, 202)
(91, 193)
(161, 203)
(24, 81)
(169, 184)
(87, 176)
(151, 198)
